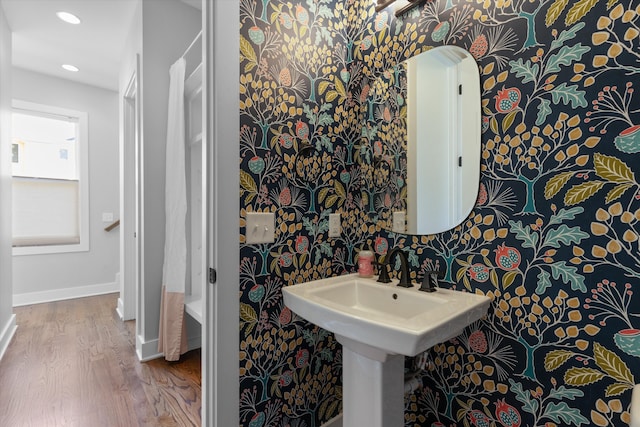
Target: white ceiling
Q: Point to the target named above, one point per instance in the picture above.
(42, 42)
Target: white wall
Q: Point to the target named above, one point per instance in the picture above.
(7, 319)
(431, 159)
(38, 278)
(165, 28)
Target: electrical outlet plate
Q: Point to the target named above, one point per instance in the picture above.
(260, 227)
(399, 224)
(335, 227)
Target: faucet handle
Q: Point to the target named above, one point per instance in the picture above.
(405, 283)
(383, 273)
(430, 280)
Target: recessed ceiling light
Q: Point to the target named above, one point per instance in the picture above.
(68, 17)
(70, 67)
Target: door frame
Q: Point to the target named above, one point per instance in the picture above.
(221, 124)
(130, 196)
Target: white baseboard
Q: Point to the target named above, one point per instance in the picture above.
(7, 334)
(64, 294)
(334, 422)
(148, 350)
(120, 309)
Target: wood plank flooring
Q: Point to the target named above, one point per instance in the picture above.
(73, 363)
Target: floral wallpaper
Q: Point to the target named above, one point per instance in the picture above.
(553, 238)
(382, 151)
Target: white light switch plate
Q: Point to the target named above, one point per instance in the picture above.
(107, 216)
(399, 222)
(260, 227)
(335, 227)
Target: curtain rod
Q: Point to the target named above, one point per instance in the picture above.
(199, 35)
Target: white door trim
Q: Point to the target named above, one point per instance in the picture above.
(129, 200)
(220, 346)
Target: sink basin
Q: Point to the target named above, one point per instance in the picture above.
(396, 320)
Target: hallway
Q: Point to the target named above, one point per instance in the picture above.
(73, 363)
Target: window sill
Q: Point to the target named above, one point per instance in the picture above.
(50, 249)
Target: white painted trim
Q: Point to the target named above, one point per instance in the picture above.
(120, 309)
(64, 294)
(120, 303)
(334, 422)
(7, 334)
(148, 350)
(221, 341)
(129, 203)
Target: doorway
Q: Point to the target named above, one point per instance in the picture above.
(195, 192)
(130, 253)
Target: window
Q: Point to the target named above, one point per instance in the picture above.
(50, 179)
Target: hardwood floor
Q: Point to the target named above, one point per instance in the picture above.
(73, 363)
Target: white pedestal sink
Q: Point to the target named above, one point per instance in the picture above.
(378, 324)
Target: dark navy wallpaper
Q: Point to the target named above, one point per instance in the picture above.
(553, 238)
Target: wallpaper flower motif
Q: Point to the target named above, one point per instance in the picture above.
(553, 238)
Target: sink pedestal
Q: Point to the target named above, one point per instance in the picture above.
(373, 386)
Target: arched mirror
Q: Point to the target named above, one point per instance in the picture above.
(421, 142)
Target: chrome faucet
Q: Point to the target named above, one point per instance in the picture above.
(403, 277)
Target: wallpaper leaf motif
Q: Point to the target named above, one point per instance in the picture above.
(563, 392)
(530, 405)
(611, 363)
(544, 282)
(582, 192)
(566, 56)
(564, 215)
(568, 95)
(508, 120)
(544, 109)
(569, 275)
(249, 316)
(582, 376)
(565, 235)
(248, 53)
(556, 358)
(616, 389)
(612, 169)
(579, 10)
(617, 192)
(248, 184)
(609, 168)
(554, 11)
(568, 34)
(562, 414)
(529, 239)
(556, 183)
